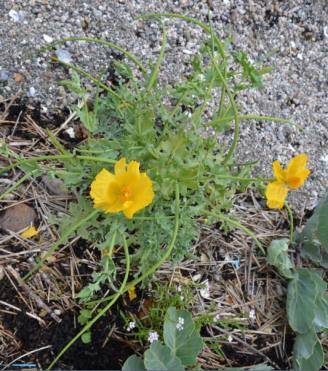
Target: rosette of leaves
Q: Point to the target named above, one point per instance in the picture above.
(180, 348)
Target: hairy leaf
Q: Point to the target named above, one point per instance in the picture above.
(278, 257)
(313, 362)
(134, 363)
(314, 237)
(185, 343)
(159, 357)
(302, 292)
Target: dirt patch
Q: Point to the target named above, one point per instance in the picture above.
(102, 353)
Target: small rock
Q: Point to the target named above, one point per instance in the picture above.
(70, 132)
(63, 55)
(16, 15)
(48, 39)
(204, 258)
(205, 290)
(17, 218)
(31, 92)
(4, 75)
(54, 186)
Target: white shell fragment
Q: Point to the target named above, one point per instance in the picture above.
(205, 290)
(48, 39)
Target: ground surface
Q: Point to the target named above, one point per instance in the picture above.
(291, 36)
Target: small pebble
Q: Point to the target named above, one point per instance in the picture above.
(16, 15)
(48, 39)
(63, 55)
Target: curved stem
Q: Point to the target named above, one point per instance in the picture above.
(235, 223)
(56, 157)
(102, 311)
(132, 57)
(88, 75)
(187, 19)
(18, 183)
(153, 77)
(230, 177)
(254, 117)
(165, 256)
(125, 287)
(291, 222)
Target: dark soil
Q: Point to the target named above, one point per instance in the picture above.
(31, 336)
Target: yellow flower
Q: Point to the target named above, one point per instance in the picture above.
(291, 178)
(127, 190)
(29, 232)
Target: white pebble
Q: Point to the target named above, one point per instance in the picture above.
(31, 92)
(48, 39)
(205, 290)
(70, 132)
(63, 55)
(16, 15)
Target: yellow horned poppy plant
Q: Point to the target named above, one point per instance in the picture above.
(291, 178)
(126, 190)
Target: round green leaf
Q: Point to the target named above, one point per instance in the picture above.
(160, 358)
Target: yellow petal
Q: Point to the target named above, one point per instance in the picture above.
(278, 171)
(296, 181)
(29, 232)
(296, 172)
(276, 194)
(132, 293)
(120, 167)
(297, 163)
(104, 191)
(133, 168)
(143, 195)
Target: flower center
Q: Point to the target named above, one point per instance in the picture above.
(125, 194)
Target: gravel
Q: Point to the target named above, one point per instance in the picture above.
(291, 36)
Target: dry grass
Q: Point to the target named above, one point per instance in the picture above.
(240, 281)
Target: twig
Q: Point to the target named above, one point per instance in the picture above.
(20, 310)
(32, 294)
(24, 355)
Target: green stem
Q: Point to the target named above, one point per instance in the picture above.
(165, 256)
(291, 222)
(224, 83)
(236, 224)
(187, 19)
(177, 106)
(18, 183)
(153, 77)
(102, 311)
(230, 177)
(132, 57)
(253, 117)
(125, 287)
(235, 116)
(56, 157)
(56, 143)
(89, 76)
(60, 241)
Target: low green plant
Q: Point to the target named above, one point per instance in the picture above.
(168, 130)
(307, 297)
(182, 344)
